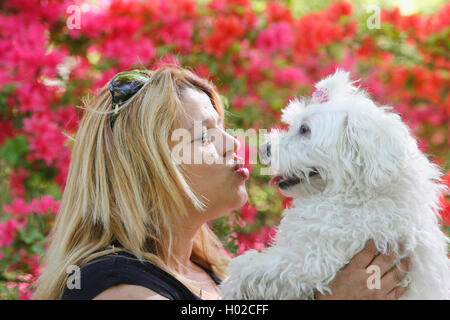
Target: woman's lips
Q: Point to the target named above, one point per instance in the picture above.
(242, 171)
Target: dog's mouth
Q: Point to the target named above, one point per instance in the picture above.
(285, 182)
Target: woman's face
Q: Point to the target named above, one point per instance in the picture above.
(212, 169)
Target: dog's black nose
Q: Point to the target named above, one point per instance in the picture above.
(265, 152)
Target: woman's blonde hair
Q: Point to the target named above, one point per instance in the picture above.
(123, 185)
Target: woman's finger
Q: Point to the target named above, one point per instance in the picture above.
(392, 279)
(395, 275)
(363, 258)
(384, 262)
(396, 293)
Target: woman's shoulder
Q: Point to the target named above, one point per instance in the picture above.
(123, 268)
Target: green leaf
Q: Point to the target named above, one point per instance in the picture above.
(14, 150)
(5, 92)
(41, 182)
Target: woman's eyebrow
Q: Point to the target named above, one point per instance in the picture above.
(206, 121)
(197, 122)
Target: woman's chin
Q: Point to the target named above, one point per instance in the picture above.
(233, 201)
(241, 197)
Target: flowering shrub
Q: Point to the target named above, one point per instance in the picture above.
(258, 55)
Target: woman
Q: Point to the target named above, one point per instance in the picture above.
(135, 220)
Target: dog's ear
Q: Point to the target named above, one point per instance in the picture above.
(338, 85)
(292, 111)
(375, 143)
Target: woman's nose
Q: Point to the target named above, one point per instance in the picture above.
(232, 145)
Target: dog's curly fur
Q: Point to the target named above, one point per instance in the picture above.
(372, 183)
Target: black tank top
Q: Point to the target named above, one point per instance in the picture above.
(123, 267)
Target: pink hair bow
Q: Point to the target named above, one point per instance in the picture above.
(320, 95)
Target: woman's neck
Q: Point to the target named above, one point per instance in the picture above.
(182, 245)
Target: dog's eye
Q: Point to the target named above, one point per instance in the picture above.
(304, 129)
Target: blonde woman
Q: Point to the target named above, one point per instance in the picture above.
(133, 221)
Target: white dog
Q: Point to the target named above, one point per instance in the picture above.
(355, 173)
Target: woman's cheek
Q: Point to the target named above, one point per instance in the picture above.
(210, 156)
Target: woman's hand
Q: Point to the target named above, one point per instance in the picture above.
(351, 282)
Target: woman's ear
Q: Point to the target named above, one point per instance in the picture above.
(376, 144)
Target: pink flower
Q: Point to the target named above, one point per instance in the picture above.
(347, 63)
(8, 231)
(277, 11)
(16, 182)
(290, 75)
(175, 30)
(445, 211)
(423, 145)
(67, 117)
(218, 5)
(374, 85)
(267, 234)
(227, 30)
(277, 36)
(258, 61)
(45, 138)
(62, 164)
(257, 240)
(6, 130)
(46, 203)
(25, 56)
(18, 207)
(249, 241)
(139, 51)
(24, 291)
(33, 262)
(34, 97)
(202, 71)
(248, 212)
(50, 10)
(239, 102)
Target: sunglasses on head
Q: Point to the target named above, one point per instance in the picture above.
(123, 86)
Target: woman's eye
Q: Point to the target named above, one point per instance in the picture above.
(304, 129)
(205, 137)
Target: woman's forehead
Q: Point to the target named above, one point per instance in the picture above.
(198, 107)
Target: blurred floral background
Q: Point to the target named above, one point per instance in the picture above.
(258, 53)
